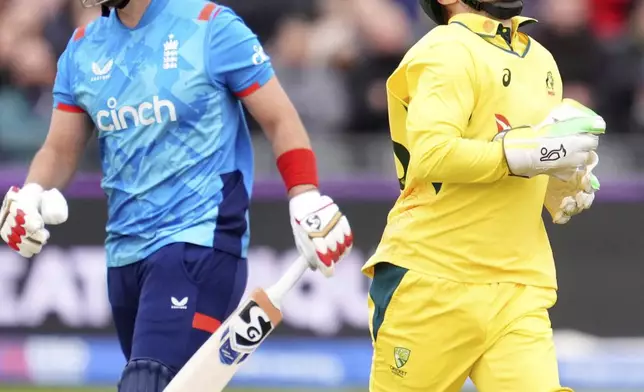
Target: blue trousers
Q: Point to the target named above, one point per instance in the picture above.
(167, 305)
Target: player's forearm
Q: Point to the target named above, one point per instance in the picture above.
(457, 160)
(51, 169)
(55, 164)
(288, 134)
(281, 124)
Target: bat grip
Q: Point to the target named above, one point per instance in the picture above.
(294, 273)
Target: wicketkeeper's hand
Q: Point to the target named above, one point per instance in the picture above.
(558, 147)
(23, 216)
(565, 199)
(322, 233)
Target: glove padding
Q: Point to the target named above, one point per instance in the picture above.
(565, 199)
(23, 216)
(558, 147)
(322, 233)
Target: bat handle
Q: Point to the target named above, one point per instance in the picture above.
(294, 273)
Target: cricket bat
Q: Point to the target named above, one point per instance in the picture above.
(213, 366)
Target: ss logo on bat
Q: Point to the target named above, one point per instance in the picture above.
(245, 333)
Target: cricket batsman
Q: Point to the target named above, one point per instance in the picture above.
(164, 82)
(464, 275)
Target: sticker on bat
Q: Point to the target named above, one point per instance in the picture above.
(227, 355)
(245, 332)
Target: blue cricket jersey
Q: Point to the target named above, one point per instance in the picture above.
(175, 147)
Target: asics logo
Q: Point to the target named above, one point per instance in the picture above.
(507, 77)
(147, 113)
(552, 155)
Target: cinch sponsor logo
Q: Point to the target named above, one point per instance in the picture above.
(147, 113)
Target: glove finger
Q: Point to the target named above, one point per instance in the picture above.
(586, 142)
(34, 243)
(54, 208)
(325, 257)
(335, 240)
(39, 237)
(564, 175)
(346, 232)
(593, 161)
(342, 242)
(584, 200)
(325, 253)
(304, 245)
(314, 250)
(561, 218)
(25, 252)
(589, 183)
(594, 125)
(28, 219)
(576, 160)
(568, 205)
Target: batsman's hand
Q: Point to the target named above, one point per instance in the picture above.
(557, 147)
(24, 214)
(565, 199)
(322, 233)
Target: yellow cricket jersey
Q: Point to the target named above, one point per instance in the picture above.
(460, 215)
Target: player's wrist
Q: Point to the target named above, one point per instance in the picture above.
(300, 189)
(516, 159)
(298, 168)
(303, 202)
(32, 188)
(32, 193)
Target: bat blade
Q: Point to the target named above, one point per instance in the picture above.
(213, 366)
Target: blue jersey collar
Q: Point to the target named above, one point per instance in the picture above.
(153, 10)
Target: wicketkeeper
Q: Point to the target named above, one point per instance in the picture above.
(464, 275)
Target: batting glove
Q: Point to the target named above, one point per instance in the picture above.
(322, 233)
(565, 199)
(558, 147)
(23, 216)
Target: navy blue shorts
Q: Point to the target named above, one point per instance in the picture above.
(166, 306)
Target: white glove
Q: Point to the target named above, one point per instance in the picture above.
(322, 233)
(23, 216)
(558, 147)
(565, 199)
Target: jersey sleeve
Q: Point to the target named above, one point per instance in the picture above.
(442, 88)
(63, 93)
(234, 56)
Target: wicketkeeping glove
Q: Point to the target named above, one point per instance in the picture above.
(565, 199)
(558, 147)
(23, 216)
(322, 233)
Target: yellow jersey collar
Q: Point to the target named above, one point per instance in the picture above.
(487, 27)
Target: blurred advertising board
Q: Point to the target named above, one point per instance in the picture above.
(600, 262)
(302, 363)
